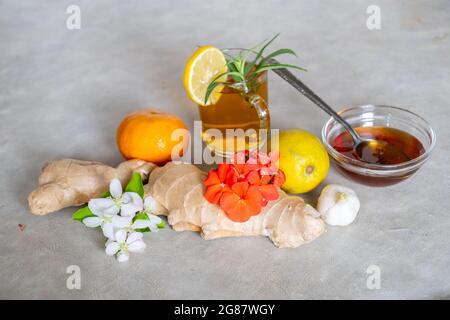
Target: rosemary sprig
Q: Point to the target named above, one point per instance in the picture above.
(242, 70)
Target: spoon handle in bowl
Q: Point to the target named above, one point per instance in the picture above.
(307, 92)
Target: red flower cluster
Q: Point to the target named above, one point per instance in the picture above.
(244, 186)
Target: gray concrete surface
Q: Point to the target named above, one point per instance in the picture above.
(63, 92)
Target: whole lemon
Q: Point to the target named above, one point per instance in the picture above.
(303, 160)
(147, 135)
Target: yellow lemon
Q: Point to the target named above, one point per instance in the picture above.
(303, 160)
(204, 66)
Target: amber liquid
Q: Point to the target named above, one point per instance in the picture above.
(403, 147)
(232, 111)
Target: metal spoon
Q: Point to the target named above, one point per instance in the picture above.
(378, 151)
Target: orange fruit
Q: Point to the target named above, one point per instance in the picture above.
(147, 135)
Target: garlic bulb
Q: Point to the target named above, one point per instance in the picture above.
(338, 205)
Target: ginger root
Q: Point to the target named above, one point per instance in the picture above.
(288, 221)
(178, 188)
(69, 182)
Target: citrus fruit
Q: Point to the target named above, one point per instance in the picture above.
(303, 160)
(147, 135)
(204, 66)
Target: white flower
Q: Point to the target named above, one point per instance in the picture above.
(103, 218)
(123, 245)
(106, 209)
(152, 206)
(127, 203)
(127, 224)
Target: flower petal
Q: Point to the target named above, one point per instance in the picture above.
(254, 178)
(108, 230)
(100, 205)
(112, 211)
(232, 177)
(222, 171)
(123, 256)
(137, 246)
(153, 228)
(240, 188)
(154, 219)
(141, 224)
(239, 212)
(212, 179)
(129, 210)
(269, 192)
(115, 188)
(229, 200)
(121, 222)
(135, 198)
(134, 236)
(265, 179)
(150, 204)
(214, 192)
(121, 236)
(109, 241)
(92, 222)
(279, 178)
(112, 248)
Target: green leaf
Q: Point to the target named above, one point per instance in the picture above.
(277, 53)
(105, 194)
(210, 89)
(135, 184)
(143, 216)
(260, 53)
(241, 70)
(278, 66)
(231, 66)
(214, 83)
(161, 225)
(82, 213)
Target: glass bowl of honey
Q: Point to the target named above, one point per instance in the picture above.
(411, 135)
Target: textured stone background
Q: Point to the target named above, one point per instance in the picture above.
(62, 94)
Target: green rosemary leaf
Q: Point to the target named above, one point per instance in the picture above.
(245, 65)
(210, 89)
(260, 52)
(214, 83)
(231, 66)
(231, 73)
(278, 66)
(235, 74)
(277, 53)
(241, 70)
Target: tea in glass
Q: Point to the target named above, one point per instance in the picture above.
(237, 108)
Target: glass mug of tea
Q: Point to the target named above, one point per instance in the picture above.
(239, 120)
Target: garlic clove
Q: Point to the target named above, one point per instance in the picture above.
(338, 205)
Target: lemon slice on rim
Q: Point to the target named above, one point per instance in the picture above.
(204, 66)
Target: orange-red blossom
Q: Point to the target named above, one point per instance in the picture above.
(243, 187)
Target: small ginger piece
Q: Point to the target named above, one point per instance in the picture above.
(69, 182)
(287, 221)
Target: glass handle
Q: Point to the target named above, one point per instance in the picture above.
(261, 108)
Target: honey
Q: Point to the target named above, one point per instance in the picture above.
(405, 146)
(402, 146)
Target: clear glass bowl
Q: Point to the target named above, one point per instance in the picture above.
(386, 116)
